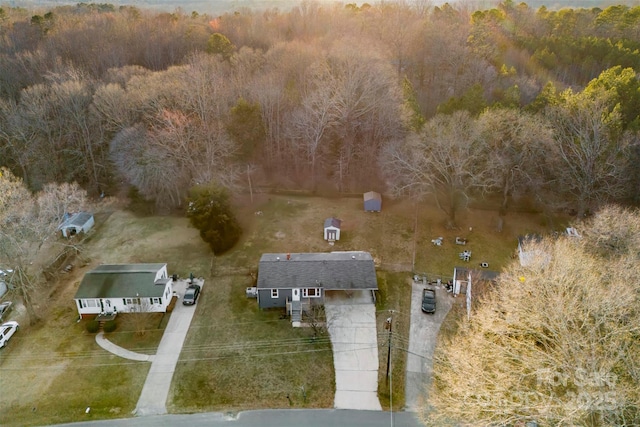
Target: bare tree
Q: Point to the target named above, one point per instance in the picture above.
(589, 155)
(440, 162)
(27, 227)
(512, 146)
(554, 343)
(311, 122)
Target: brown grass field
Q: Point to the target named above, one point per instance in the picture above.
(235, 356)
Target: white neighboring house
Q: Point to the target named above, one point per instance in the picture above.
(332, 229)
(124, 288)
(77, 223)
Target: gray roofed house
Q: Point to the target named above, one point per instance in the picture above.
(80, 222)
(372, 201)
(284, 279)
(124, 287)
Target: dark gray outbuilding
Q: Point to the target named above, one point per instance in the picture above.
(372, 202)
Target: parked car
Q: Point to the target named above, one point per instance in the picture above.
(6, 331)
(5, 309)
(429, 301)
(191, 295)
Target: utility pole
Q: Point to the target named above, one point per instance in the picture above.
(389, 326)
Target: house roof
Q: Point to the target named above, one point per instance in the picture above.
(76, 220)
(331, 271)
(529, 238)
(122, 281)
(372, 195)
(332, 222)
(484, 275)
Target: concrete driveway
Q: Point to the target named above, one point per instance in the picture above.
(153, 399)
(351, 320)
(423, 334)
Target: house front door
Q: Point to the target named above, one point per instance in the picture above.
(295, 294)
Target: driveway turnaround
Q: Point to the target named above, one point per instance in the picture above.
(423, 334)
(352, 326)
(153, 399)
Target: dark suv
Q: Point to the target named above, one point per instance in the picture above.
(191, 295)
(429, 301)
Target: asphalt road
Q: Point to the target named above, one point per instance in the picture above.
(266, 418)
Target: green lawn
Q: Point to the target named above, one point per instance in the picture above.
(236, 356)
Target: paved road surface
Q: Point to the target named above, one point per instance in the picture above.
(422, 341)
(266, 418)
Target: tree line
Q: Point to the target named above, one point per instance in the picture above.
(441, 102)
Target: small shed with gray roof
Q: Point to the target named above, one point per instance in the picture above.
(372, 201)
(332, 229)
(293, 280)
(117, 288)
(76, 223)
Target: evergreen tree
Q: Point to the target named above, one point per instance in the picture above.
(210, 212)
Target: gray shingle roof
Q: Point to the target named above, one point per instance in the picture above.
(372, 195)
(331, 271)
(332, 222)
(76, 220)
(121, 281)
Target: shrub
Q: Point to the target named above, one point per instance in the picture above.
(93, 326)
(172, 304)
(210, 212)
(109, 326)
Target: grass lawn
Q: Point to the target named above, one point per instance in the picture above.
(394, 295)
(235, 356)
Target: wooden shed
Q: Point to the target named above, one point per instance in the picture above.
(372, 202)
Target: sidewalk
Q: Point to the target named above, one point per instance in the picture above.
(152, 400)
(122, 352)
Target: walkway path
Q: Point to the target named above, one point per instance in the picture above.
(352, 327)
(122, 352)
(153, 399)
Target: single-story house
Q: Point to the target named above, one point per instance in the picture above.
(76, 223)
(372, 202)
(124, 288)
(288, 280)
(332, 229)
(528, 248)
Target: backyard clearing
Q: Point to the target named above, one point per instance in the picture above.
(235, 356)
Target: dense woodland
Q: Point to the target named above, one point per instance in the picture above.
(442, 103)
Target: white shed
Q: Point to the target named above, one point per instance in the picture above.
(77, 223)
(332, 229)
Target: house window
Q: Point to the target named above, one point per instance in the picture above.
(312, 292)
(155, 300)
(274, 293)
(89, 303)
